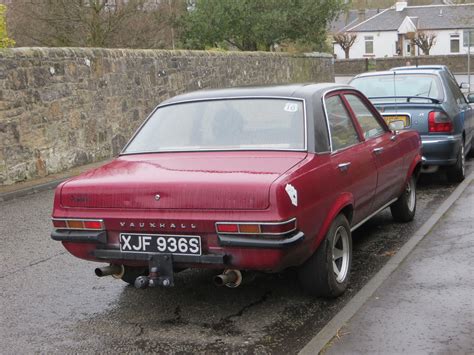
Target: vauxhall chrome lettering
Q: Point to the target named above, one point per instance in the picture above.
(155, 225)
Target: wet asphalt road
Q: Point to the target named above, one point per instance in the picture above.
(52, 302)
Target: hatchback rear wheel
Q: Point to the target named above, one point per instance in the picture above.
(457, 173)
(326, 272)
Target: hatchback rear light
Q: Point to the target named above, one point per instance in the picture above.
(439, 122)
(260, 228)
(78, 224)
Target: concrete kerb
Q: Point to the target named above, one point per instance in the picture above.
(317, 344)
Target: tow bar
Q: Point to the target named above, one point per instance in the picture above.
(161, 273)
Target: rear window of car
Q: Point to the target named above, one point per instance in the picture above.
(403, 85)
(227, 124)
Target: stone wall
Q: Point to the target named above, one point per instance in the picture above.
(65, 107)
(457, 63)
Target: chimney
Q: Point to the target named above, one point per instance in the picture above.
(400, 6)
(361, 15)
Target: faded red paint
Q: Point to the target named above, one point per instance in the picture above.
(196, 190)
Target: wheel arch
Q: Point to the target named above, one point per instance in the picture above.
(415, 168)
(343, 204)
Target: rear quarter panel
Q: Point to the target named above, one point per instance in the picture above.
(319, 201)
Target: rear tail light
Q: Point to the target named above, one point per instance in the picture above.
(227, 228)
(79, 224)
(259, 228)
(439, 122)
(59, 223)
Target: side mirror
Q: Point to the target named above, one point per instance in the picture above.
(464, 86)
(470, 98)
(396, 125)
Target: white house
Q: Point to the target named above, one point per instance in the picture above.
(389, 32)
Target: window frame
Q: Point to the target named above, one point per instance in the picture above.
(243, 97)
(351, 118)
(454, 37)
(371, 109)
(355, 124)
(368, 39)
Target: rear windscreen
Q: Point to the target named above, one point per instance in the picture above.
(403, 85)
(227, 124)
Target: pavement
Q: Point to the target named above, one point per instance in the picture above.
(422, 303)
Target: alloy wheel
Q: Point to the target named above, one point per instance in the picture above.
(340, 254)
(410, 193)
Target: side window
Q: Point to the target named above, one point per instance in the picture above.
(343, 132)
(369, 124)
(457, 93)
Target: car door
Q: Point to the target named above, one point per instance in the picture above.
(463, 112)
(383, 145)
(353, 167)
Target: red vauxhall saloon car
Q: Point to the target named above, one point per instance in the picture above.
(242, 179)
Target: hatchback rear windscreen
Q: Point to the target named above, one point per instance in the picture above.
(403, 85)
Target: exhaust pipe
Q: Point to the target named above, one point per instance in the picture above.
(116, 271)
(231, 278)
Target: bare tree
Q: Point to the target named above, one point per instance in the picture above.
(424, 40)
(93, 23)
(345, 40)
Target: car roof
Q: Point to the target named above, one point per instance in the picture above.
(304, 90)
(392, 72)
(421, 67)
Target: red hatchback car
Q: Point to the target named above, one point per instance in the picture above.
(242, 179)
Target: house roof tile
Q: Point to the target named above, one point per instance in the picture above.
(432, 17)
(351, 18)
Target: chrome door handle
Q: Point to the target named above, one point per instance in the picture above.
(378, 150)
(344, 166)
(393, 138)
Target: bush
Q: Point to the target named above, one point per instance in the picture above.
(5, 42)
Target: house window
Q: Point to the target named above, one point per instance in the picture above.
(454, 43)
(369, 44)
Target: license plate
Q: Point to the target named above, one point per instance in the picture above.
(161, 244)
(392, 118)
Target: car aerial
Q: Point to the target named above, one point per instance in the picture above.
(430, 102)
(242, 179)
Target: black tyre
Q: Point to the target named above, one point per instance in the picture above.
(457, 172)
(470, 154)
(326, 272)
(131, 273)
(403, 210)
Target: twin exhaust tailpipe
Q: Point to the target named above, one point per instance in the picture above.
(231, 278)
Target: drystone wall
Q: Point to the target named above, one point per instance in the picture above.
(65, 107)
(350, 67)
